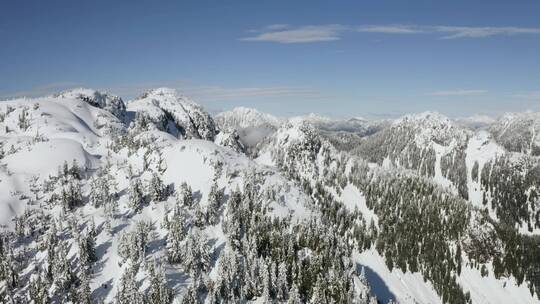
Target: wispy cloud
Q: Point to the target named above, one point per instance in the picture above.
(390, 29)
(459, 92)
(302, 34)
(212, 93)
(481, 32)
(200, 93)
(219, 93)
(531, 95)
(41, 90)
(284, 33)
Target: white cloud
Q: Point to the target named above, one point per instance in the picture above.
(532, 95)
(219, 93)
(481, 32)
(200, 93)
(459, 92)
(389, 29)
(42, 90)
(302, 34)
(284, 33)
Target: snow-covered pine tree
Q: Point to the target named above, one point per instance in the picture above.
(282, 284)
(160, 292)
(185, 195)
(267, 283)
(84, 293)
(63, 275)
(87, 250)
(156, 188)
(9, 271)
(191, 296)
(196, 253)
(38, 289)
(229, 281)
(176, 235)
(128, 291)
(215, 198)
(294, 295)
(132, 245)
(71, 195)
(318, 292)
(136, 195)
(34, 186)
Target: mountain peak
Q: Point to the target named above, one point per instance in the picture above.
(103, 100)
(428, 117)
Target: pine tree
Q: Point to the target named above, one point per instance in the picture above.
(128, 291)
(228, 285)
(63, 275)
(34, 186)
(71, 195)
(159, 292)
(177, 232)
(87, 250)
(294, 295)
(24, 122)
(267, 284)
(192, 295)
(185, 195)
(84, 291)
(136, 195)
(9, 270)
(38, 290)
(214, 204)
(157, 189)
(103, 188)
(196, 254)
(317, 294)
(282, 284)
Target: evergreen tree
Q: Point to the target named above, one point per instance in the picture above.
(294, 295)
(128, 291)
(38, 289)
(185, 195)
(159, 292)
(84, 291)
(318, 292)
(215, 198)
(87, 250)
(136, 195)
(192, 296)
(196, 254)
(282, 285)
(228, 285)
(177, 232)
(71, 195)
(63, 275)
(156, 188)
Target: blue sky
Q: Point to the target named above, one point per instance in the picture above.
(338, 58)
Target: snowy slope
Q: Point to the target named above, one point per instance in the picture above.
(518, 132)
(480, 149)
(78, 126)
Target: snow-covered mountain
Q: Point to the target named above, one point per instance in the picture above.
(175, 114)
(114, 203)
(242, 117)
(519, 132)
(372, 193)
(154, 201)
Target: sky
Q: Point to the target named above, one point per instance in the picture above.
(374, 59)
